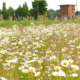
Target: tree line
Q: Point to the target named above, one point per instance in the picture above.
(39, 7)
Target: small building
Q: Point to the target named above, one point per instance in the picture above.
(67, 11)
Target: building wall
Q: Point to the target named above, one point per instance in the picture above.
(63, 11)
(67, 10)
(71, 11)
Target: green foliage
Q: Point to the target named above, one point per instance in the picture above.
(6, 15)
(52, 13)
(77, 12)
(0, 11)
(4, 6)
(11, 10)
(57, 14)
(39, 7)
(21, 12)
(26, 7)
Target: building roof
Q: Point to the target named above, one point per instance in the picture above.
(67, 5)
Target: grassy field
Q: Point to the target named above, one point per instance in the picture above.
(28, 23)
(42, 52)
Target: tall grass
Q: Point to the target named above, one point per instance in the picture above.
(36, 22)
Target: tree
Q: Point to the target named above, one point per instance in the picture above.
(77, 12)
(4, 6)
(57, 14)
(11, 10)
(21, 12)
(6, 15)
(19, 6)
(39, 7)
(52, 13)
(26, 7)
(0, 11)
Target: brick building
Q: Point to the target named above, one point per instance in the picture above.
(67, 11)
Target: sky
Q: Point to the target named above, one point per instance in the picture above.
(52, 4)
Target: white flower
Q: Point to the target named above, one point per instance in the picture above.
(49, 51)
(70, 61)
(57, 68)
(78, 46)
(63, 50)
(36, 51)
(53, 58)
(60, 73)
(2, 51)
(21, 67)
(2, 78)
(75, 67)
(20, 42)
(74, 75)
(32, 23)
(32, 69)
(25, 71)
(64, 63)
(39, 61)
(37, 74)
(56, 73)
(28, 52)
(37, 38)
(20, 54)
(12, 61)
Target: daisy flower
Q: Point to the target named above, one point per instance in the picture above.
(64, 63)
(70, 61)
(57, 68)
(32, 69)
(25, 71)
(53, 58)
(74, 75)
(60, 73)
(37, 74)
(75, 67)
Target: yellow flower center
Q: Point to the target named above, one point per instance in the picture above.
(65, 63)
(53, 58)
(38, 46)
(28, 52)
(20, 67)
(25, 71)
(57, 68)
(31, 70)
(24, 65)
(39, 61)
(75, 68)
(63, 50)
(69, 62)
(57, 74)
(2, 52)
(38, 74)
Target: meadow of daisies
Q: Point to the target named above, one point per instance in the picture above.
(41, 52)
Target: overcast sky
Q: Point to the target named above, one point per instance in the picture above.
(52, 4)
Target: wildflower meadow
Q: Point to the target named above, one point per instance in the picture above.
(43, 52)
